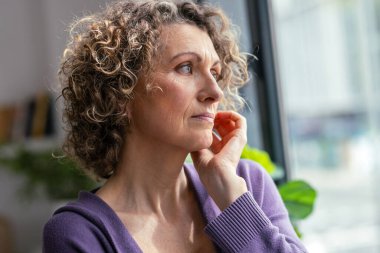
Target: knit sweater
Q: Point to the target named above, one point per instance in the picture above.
(256, 222)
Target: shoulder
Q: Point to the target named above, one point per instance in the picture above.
(246, 167)
(81, 213)
(71, 232)
(76, 227)
(67, 221)
(252, 172)
(258, 180)
(67, 224)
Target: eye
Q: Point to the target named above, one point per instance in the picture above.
(185, 69)
(215, 75)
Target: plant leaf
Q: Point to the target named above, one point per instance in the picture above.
(59, 177)
(297, 230)
(260, 157)
(299, 198)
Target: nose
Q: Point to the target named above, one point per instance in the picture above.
(210, 92)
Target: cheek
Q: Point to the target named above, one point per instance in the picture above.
(169, 113)
(179, 97)
(171, 103)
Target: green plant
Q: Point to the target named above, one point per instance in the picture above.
(59, 178)
(260, 157)
(299, 197)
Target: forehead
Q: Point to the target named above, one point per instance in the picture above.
(179, 38)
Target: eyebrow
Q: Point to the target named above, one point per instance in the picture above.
(199, 58)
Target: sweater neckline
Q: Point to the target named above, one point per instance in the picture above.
(108, 216)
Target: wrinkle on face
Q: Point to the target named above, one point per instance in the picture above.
(169, 98)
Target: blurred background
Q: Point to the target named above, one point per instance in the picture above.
(313, 105)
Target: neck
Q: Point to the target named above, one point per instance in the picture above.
(149, 178)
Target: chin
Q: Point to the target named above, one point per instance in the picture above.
(201, 142)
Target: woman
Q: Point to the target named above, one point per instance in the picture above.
(142, 84)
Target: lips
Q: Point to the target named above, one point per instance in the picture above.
(205, 116)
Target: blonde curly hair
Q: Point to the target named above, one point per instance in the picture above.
(104, 58)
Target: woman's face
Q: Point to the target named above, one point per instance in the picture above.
(180, 107)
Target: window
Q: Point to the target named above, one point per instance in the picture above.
(328, 54)
(316, 109)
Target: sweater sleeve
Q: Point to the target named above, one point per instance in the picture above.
(246, 226)
(71, 233)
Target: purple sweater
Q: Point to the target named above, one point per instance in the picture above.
(256, 222)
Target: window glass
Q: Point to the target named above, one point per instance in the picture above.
(328, 54)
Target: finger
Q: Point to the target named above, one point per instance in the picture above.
(217, 144)
(230, 115)
(228, 121)
(216, 136)
(233, 130)
(224, 127)
(233, 143)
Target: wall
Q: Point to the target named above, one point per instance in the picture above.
(32, 37)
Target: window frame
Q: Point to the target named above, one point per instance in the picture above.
(271, 107)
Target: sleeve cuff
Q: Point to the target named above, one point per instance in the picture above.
(238, 224)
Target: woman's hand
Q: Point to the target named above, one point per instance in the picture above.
(216, 166)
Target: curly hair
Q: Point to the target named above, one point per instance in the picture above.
(104, 58)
